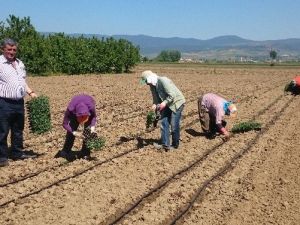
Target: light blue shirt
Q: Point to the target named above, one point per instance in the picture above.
(12, 80)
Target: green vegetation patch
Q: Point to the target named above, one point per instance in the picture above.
(39, 114)
(246, 126)
(151, 117)
(93, 142)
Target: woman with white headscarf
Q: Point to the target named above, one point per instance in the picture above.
(169, 100)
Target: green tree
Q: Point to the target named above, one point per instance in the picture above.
(130, 54)
(273, 56)
(174, 55)
(168, 56)
(19, 29)
(60, 53)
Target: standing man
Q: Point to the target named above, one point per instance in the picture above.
(13, 88)
(169, 100)
(81, 110)
(212, 108)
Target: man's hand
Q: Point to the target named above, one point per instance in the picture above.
(77, 134)
(153, 107)
(32, 94)
(93, 129)
(162, 106)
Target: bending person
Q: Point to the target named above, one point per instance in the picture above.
(169, 100)
(293, 86)
(212, 109)
(80, 111)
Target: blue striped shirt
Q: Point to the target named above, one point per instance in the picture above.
(12, 80)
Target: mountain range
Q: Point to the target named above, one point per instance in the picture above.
(229, 47)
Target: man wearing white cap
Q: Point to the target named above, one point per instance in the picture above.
(169, 100)
(212, 108)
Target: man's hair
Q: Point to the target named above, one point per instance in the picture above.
(8, 41)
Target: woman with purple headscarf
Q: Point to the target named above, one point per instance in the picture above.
(80, 111)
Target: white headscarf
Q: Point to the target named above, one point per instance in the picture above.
(150, 77)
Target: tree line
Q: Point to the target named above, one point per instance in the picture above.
(60, 53)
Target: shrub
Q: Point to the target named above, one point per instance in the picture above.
(39, 114)
(246, 126)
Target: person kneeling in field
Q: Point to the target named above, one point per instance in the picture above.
(212, 108)
(293, 86)
(80, 111)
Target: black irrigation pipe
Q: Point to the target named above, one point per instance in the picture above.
(117, 121)
(162, 184)
(127, 152)
(136, 136)
(184, 116)
(230, 165)
(17, 180)
(62, 164)
(66, 178)
(83, 171)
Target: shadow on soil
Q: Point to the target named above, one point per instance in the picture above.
(142, 142)
(73, 155)
(195, 133)
(27, 152)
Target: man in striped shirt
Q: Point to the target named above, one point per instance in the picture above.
(13, 89)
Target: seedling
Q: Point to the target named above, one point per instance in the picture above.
(93, 142)
(246, 126)
(150, 119)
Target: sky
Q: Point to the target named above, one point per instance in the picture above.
(201, 19)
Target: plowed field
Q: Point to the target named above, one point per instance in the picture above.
(253, 178)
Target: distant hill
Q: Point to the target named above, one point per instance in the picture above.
(222, 47)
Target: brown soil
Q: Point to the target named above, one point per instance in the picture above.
(250, 179)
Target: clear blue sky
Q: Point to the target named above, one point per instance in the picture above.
(201, 19)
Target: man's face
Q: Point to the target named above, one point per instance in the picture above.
(9, 52)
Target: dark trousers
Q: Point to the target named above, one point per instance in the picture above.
(295, 90)
(70, 138)
(207, 121)
(11, 119)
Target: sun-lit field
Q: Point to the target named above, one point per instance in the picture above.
(253, 178)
